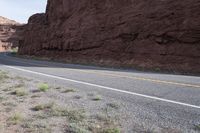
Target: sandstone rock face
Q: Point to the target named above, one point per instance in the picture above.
(146, 33)
(5, 21)
(8, 35)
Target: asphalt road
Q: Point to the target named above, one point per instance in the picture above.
(160, 100)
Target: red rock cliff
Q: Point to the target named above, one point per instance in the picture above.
(146, 33)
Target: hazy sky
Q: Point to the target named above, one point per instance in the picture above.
(21, 10)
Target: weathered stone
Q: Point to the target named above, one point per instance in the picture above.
(9, 35)
(146, 33)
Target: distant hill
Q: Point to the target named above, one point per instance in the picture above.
(6, 21)
(9, 33)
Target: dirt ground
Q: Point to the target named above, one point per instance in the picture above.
(27, 105)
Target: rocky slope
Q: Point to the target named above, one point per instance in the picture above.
(161, 34)
(8, 36)
(5, 21)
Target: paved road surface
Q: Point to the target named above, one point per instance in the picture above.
(163, 100)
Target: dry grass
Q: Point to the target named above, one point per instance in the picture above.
(69, 90)
(15, 119)
(47, 115)
(3, 76)
(20, 92)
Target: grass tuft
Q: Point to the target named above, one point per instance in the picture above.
(69, 90)
(15, 119)
(43, 87)
(75, 128)
(20, 92)
(52, 110)
(97, 98)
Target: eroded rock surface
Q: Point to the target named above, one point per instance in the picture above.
(146, 33)
(9, 37)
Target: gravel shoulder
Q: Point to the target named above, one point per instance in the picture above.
(28, 105)
(37, 105)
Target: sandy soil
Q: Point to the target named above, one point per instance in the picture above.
(27, 105)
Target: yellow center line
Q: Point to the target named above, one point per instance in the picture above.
(122, 76)
(141, 78)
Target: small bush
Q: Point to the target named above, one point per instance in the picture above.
(74, 128)
(14, 51)
(43, 87)
(74, 115)
(96, 98)
(39, 107)
(15, 119)
(20, 92)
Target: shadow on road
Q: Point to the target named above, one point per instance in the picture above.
(6, 58)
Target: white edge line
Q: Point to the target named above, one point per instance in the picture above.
(104, 87)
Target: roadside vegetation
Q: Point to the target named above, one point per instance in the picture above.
(97, 98)
(197, 127)
(33, 106)
(14, 51)
(20, 92)
(43, 87)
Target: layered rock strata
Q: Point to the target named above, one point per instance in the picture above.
(158, 34)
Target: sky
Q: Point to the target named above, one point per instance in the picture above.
(21, 10)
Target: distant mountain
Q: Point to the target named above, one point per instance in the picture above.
(6, 21)
(9, 33)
